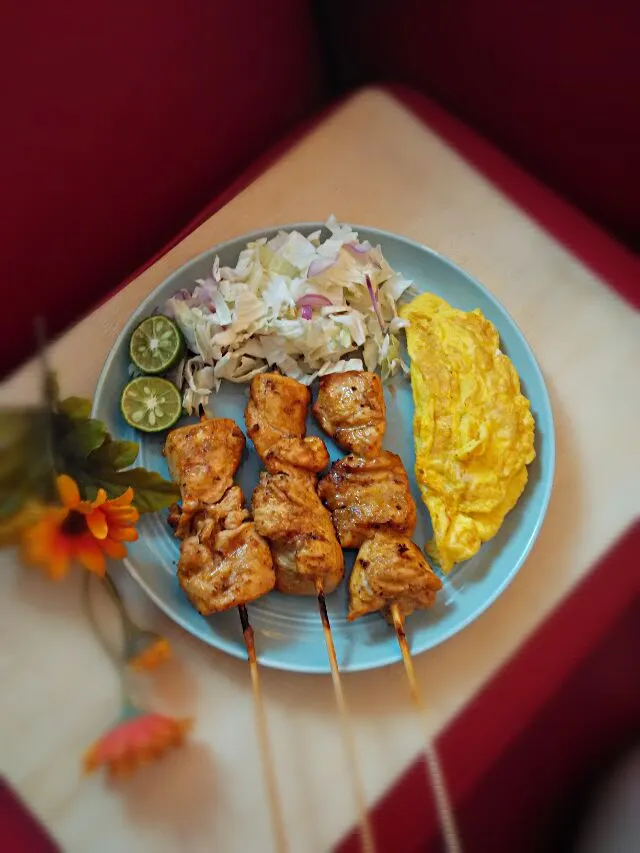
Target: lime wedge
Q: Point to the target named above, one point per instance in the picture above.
(155, 345)
(150, 403)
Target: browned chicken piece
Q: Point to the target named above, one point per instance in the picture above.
(224, 562)
(390, 569)
(221, 567)
(289, 513)
(350, 408)
(203, 458)
(229, 512)
(365, 495)
(299, 454)
(277, 409)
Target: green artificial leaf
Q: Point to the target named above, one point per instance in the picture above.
(152, 492)
(112, 455)
(80, 439)
(62, 437)
(75, 408)
(26, 464)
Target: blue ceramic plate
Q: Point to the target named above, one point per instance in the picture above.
(288, 630)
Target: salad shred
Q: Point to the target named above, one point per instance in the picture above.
(306, 305)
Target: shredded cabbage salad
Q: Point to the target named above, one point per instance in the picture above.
(307, 306)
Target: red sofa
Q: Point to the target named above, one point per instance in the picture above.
(554, 84)
(121, 123)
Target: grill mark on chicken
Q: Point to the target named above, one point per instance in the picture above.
(367, 494)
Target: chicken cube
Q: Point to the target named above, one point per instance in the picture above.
(350, 408)
(225, 568)
(390, 569)
(277, 409)
(298, 454)
(203, 458)
(368, 494)
(289, 513)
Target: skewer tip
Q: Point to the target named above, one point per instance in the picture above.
(444, 807)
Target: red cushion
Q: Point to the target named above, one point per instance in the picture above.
(554, 84)
(120, 121)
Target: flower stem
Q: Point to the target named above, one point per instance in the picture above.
(116, 659)
(131, 628)
(99, 635)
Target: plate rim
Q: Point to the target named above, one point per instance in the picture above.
(237, 651)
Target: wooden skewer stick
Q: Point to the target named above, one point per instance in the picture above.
(366, 831)
(436, 776)
(263, 737)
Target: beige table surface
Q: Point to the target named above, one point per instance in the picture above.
(58, 690)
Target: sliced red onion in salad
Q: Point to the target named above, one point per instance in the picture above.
(313, 300)
(320, 265)
(375, 302)
(309, 301)
(182, 294)
(360, 248)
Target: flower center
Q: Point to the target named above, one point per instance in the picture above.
(74, 524)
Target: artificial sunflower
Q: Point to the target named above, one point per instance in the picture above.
(86, 531)
(134, 741)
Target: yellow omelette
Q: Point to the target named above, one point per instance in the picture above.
(473, 429)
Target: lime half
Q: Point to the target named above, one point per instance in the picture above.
(150, 403)
(155, 345)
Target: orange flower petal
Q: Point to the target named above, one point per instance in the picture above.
(151, 656)
(123, 534)
(38, 538)
(124, 499)
(89, 554)
(115, 550)
(68, 491)
(58, 567)
(121, 515)
(45, 546)
(100, 498)
(47, 527)
(97, 524)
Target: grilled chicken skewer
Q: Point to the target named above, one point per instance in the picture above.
(307, 556)
(224, 562)
(368, 494)
(286, 506)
